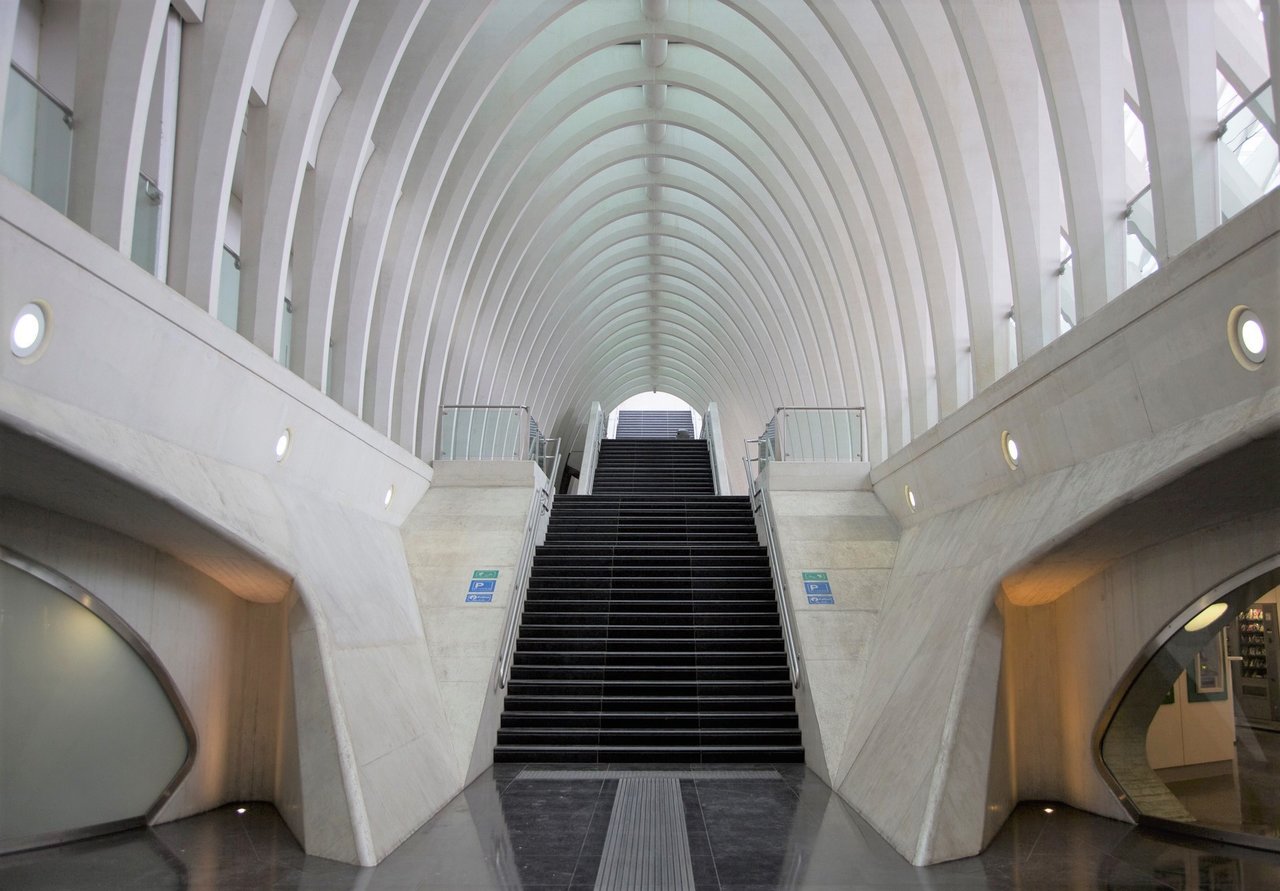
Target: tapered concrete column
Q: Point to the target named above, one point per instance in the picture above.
(1174, 66)
(1081, 61)
(217, 68)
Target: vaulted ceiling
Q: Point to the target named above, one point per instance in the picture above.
(757, 203)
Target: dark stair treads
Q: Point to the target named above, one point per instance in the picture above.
(650, 630)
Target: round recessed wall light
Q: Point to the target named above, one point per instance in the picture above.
(241, 810)
(1048, 810)
(1247, 336)
(391, 493)
(26, 335)
(1009, 448)
(1206, 617)
(911, 498)
(283, 441)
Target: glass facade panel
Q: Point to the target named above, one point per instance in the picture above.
(1248, 157)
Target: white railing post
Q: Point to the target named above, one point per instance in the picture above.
(715, 445)
(591, 450)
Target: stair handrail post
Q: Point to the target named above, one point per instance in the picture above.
(535, 529)
(757, 492)
(591, 450)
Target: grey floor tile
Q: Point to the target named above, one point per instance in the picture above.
(501, 833)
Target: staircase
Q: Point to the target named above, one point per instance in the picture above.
(647, 466)
(650, 632)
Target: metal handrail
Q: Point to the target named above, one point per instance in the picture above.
(757, 494)
(67, 116)
(1247, 101)
(541, 503)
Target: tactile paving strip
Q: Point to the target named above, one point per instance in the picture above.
(647, 844)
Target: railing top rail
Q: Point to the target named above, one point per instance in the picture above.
(1244, 103)
(43, 91)
(820, 408)
(521, 407)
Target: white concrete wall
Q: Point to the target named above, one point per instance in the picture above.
(473, 517)
(829, 520)
(1134, 397)
(227, 656)
(138, 382)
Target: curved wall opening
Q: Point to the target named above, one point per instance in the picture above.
(1193, 740)
(95, 737)
(654, 401)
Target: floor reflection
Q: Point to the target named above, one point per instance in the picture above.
(1248, 798)
(784, 831)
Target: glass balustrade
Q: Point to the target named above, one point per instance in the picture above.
(36, 149)
(146, 224)
(1140, 239)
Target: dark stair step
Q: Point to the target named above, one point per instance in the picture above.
(707, 720)
(745, 754)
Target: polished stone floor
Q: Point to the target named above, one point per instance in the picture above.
(779, 828)
(1248, 798)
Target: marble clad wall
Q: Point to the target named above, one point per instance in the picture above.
(473, 517)
(1137, 395)
(150, 390)
(829, 520)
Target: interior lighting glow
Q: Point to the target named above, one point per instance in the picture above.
(1206, 617)
(386, 499)
(911, 498)
(28, 330)
(1048, 810)
(1009, 446)
(241, 810)
(282, 444)
(1247, 336)
(1252, 337)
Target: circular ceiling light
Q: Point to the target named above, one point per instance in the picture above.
(391, 493)
(283, 441)
(1009, 448)
(27, 332)
(911, 498)
(1206, 617)
(1247, 336)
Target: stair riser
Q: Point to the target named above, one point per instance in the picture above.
(742, 723)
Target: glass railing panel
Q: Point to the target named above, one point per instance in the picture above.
(815, 434)
(482, 433)
(229, 290)
(1248, 157)
(36, 150)
(146, 224)
(1140, 239)
(1066, 296)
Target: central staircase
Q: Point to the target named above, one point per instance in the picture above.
(650, 631)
